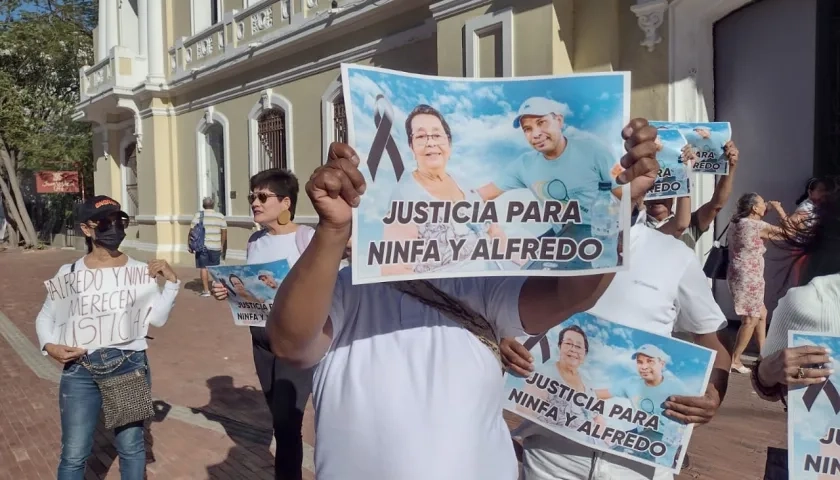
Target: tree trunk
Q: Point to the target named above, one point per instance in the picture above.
(11, 209)
(25, 220)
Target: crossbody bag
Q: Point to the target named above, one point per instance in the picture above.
(425, 292)
(126, 398)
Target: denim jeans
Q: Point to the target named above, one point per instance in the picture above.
(80, 402)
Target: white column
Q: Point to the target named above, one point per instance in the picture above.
(155, 38)
(143, 26)
(112, 24)
(101, 32)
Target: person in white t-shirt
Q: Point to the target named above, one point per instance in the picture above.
(273, 199)
(403, 390)
(664, 290)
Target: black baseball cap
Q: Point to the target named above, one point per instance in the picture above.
(98, 207)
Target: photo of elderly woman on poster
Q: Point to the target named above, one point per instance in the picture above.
(430, 140)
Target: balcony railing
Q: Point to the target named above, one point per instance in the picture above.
(238, 31)
(121, 69)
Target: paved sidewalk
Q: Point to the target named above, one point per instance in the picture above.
(212, 421)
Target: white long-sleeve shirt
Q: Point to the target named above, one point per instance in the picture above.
(814, 307)
(158, 316)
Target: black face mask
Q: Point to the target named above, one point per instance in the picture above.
(111, 238)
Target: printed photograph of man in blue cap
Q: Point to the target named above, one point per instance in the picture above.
(559, 167)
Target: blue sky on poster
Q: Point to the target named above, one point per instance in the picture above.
(811, 426)
(480, 114)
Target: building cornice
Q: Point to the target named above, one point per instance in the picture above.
(351, 55)
(449, 8)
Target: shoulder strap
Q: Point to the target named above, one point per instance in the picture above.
(724, 231)
(201, 217)
(302, 237)
(73, 267)
(474, 322)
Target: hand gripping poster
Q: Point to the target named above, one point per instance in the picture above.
(486, 177)
(814, 417)
(603, 385)
(708, 141)
(251, 289)
(101, 307)
(675, 163)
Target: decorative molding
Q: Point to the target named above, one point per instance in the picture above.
(285, 9)
(651, 14)
(351, 55)
(449, 8)
(204, 47)
(503, 20)
(129, 104)
(124, 143)
(311, 3)
(262, 20)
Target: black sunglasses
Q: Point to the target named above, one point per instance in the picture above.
(261, 196)
(104, 224)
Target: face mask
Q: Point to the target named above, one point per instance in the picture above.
(111, 238)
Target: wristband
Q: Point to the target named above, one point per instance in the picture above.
(773, 392)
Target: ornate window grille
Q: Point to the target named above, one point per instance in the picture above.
(272, 134)
(339, 120)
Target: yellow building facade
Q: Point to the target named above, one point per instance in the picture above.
(189, 98)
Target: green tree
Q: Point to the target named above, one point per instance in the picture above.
(43, 44)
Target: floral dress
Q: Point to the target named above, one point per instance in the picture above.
(746, 266)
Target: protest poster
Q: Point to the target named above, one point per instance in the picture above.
(251, 289)
(673, 178)
(486, 176)
(708, 140)
(103, 306)
(814, 417)
(602, 384)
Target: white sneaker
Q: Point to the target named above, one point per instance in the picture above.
(205, 294)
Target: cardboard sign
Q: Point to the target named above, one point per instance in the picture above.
(101, 307)
(57, 182)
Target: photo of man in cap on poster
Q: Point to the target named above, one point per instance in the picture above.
(648, 393)
(559, 168)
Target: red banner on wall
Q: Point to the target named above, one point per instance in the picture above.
(57, 182)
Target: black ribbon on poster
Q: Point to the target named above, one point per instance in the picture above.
(812, 392)
(545, 348)
(383, 141)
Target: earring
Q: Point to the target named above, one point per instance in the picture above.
(284, 218)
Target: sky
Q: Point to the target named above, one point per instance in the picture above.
(805, 428)
(480, 113)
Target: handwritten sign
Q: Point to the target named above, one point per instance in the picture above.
(251, 289)
(814, 417)
(603, 385)
(101, 307)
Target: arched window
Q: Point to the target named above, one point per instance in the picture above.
(212, 152)
(271, 128)
(131, 199)
(333, 117)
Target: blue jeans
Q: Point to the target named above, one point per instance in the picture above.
(80, 402)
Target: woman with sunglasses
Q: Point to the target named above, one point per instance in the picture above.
(103, 225)
(273, 199)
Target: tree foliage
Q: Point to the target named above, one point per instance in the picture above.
(43, 44)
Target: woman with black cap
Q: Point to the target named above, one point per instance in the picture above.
(115, 378)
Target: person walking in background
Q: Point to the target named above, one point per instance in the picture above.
(211, 225)
(273, 198)
(816, 189)
(686, 225)
(745, 275)
(80, 400)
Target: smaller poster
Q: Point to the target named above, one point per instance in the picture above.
(102, 306)
(814, 417)
(251, 289)
(673, 179)
(603, 385)
(56, 182)
(708, 140)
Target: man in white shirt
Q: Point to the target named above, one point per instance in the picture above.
(403, 391)
(665, 290)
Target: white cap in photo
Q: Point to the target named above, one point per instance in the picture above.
(538, 107)
(651, 351)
